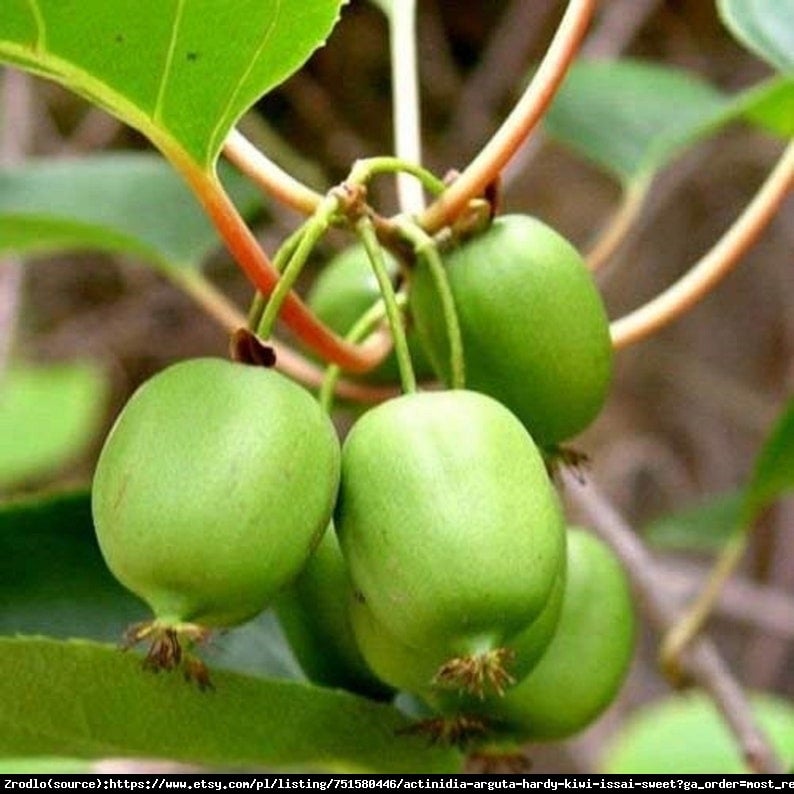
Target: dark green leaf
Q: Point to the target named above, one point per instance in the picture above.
(773, 473)
(766, 27)
(182, 73)
(133, 203)
(703, 527)
(631, 117)
(47, 416)
(686, 735)
(43, 766)
(54, 581)
(84, 700)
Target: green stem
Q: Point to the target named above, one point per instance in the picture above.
(364, 170)
(366, 231)
(361, 328)
(426, 248)
(309, 234)
(280, 260)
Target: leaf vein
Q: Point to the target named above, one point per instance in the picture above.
(41, 30)
(169, 61)
(218, 129)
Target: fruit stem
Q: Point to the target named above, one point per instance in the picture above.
(195, 284)
(425, 247)
(280, 261)
(361, 328)
(257, 266)
(309, 235)
(366, 232)
(364, 170)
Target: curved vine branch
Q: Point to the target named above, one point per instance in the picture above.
(714, 265)
(275, 181)
(618, 227)
(487, 165)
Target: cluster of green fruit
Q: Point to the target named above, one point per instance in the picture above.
(447, 571)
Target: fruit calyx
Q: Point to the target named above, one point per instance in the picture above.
(169, 648)
(479, 673)
(455, 731)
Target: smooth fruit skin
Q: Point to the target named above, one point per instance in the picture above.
(313, 611)
(451, 529)
(586, 661)
(413, 669)
(345, 288)
(213, 486)
(685, 734)
(535, 331)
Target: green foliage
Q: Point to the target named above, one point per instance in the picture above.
(773, 471)
(704, 526)
(709, 525)
(181, 74)
(123, 202)
(631, 118)
(48, 414)
(766, 27)
(84, 700)
(685, 735)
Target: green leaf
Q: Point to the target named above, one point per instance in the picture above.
(709, 525)
(765, 27)
(54, 581)
(48, 414)
(131, 203)
(43, 766)
(770, 105)
(685, 735)
(702, 527)
(773, 473)
(627, 115)
(85, 700)
(631, 118)
(180, 72)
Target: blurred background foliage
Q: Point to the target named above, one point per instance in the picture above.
(689, 408)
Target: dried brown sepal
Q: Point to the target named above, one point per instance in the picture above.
(490, 763)
(169, 647)
(245, 347)
(458, 731)
(478, 674)
(576, 461)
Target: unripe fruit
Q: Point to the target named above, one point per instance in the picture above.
(313, 611)
(448, 522)
(686, 735)
(213, 486)
(587, 659)
(345, 288)
(414, 669)
(534, 329)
